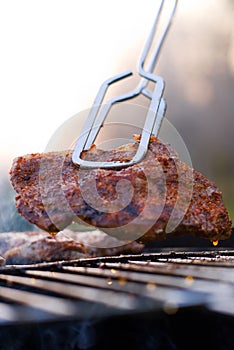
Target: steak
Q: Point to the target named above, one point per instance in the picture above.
(160, 195)
(38, 246)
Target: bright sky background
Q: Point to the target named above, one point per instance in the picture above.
(54, 56)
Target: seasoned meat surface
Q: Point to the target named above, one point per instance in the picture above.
(35, 247)
(143, 202)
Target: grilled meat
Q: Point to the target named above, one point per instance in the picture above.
(143, 202)
(36, 247)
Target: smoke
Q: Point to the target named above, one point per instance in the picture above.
(79, 335)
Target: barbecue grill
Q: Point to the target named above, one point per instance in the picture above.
(160, 300)
(165, 298)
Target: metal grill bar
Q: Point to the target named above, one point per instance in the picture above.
(209, 257)
(99, 287)
(8, 313)
(215, 273)
(42, 302)
(67, 290)
(170, 281)
(121, 282)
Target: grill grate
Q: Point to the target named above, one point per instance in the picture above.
(111, 286)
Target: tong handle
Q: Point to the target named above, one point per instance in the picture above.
(156, 110)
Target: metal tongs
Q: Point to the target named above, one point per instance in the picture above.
(157, 108)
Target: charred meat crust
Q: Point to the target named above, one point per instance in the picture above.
(52, 192)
